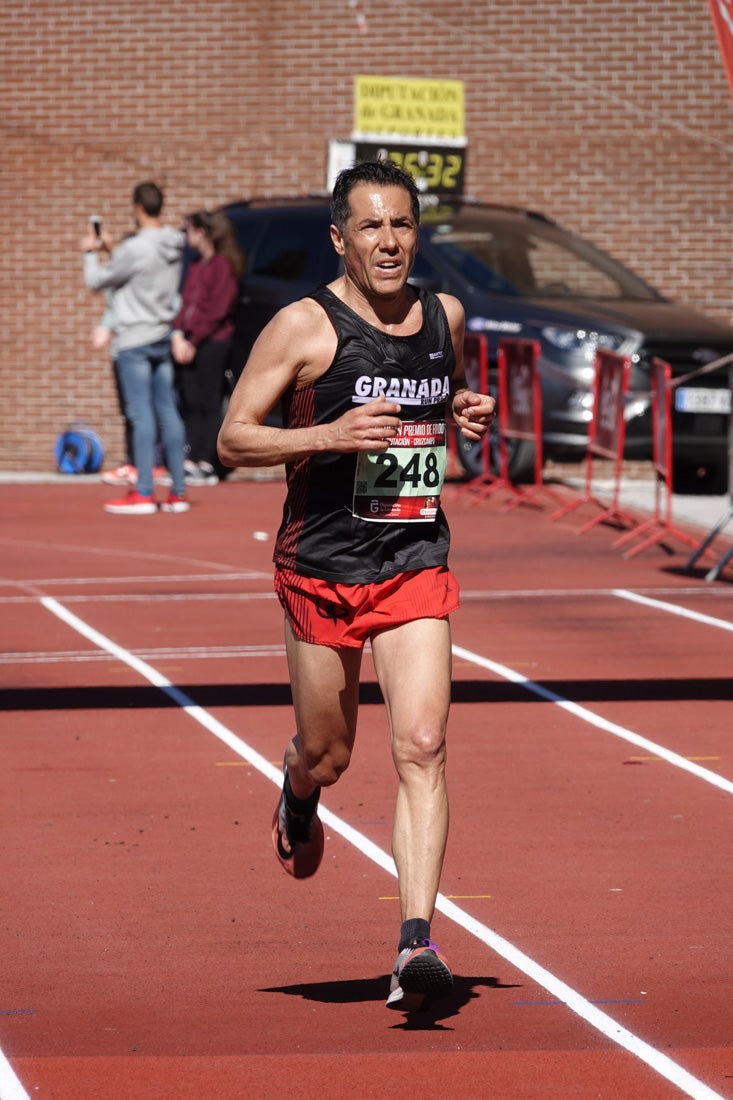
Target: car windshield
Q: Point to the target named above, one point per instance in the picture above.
(528, 257)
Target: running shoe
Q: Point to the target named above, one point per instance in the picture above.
(134, 504)
(127, 475)
(123, 475)
(208, 473)
(200, 473)
(420, 975)
(297, 839)
(175, 503)
(161, 476)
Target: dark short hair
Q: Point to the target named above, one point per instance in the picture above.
(383, 173)
(150, 197)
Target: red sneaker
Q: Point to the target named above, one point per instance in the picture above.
(134, 504)
(123, 475)
(175, 504)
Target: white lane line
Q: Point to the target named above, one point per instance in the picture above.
(170, 653)
(127, 554)
(10, 1086)
(593, 719)
(585, 593)
(606, 1025)
(672, 609)
(152, 597)
(138, 579)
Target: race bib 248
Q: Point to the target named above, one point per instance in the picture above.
(403, 483)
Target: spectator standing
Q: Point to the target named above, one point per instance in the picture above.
(103, 339)
(144, 271)
(202, 337)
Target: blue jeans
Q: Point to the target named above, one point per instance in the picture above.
(146, 379)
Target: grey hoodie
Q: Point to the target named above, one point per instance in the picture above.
(144, 271)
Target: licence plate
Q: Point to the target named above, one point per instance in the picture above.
(690, 399)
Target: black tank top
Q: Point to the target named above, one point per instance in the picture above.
(320, 534)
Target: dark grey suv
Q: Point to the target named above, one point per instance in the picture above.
(519, 274)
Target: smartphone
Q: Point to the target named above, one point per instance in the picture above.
(95, 221)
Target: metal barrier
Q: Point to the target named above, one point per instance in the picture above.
(607, 435)
(519, 401)
(476, 370)
(520, 414)
(660, 526)
(725, 519)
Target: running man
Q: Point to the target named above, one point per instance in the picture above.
(364, 369)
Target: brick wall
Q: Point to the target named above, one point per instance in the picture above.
(615, 118)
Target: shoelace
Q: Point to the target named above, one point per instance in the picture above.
(417, 942)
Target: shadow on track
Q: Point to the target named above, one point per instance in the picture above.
(376, 989)
(279, 695)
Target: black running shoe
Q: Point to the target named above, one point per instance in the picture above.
(297, 840)
(420, 975)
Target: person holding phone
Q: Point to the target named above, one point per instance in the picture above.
(144, 272)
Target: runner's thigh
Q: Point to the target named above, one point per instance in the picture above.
(413, 665)
(325, 687)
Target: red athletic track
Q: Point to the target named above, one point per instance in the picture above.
(151, 947)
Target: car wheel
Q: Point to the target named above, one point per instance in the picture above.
(520, 453)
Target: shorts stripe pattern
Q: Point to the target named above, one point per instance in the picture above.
(332, 614)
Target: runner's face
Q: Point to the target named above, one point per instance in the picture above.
(379, 240)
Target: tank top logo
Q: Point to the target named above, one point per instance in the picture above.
(407, 391)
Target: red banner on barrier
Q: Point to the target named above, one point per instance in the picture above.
(476, 370)
(608, 427)
(520, 414)
(607, 434)
(721, 12)
(519, 398)
(476, 361)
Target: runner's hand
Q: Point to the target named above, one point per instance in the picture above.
(370, 427)
(473, 413)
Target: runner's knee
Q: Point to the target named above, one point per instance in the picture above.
(423, 747)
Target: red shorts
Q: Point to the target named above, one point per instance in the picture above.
(336, 615)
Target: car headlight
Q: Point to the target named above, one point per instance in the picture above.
(581, 340)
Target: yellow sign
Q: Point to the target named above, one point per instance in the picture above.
(409, 107)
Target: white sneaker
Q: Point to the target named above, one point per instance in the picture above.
(208, 473)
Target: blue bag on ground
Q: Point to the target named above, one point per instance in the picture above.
(79, 450)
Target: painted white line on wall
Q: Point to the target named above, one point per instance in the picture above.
(606, 1025)
(673, 609)
(593, 719)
